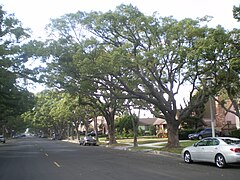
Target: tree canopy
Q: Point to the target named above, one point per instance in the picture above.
(107, 59)
(236, 12)
(14, 99)
(124, 54)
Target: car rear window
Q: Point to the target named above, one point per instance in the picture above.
(231, 141)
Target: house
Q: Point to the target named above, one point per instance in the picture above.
(223, 121)
(100, 123)
(159, 125)
(145, 124)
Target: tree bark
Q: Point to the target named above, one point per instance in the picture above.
(173, 137)
(111, 134)
(96, 126)
(135, 130)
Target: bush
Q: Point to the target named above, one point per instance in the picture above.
(235, 133)
(183, 133)
(141, 132)
(152, 130)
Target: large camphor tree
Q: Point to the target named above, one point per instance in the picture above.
(124, 54)
(153, 58)
(66, 53)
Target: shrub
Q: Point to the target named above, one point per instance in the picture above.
(183, 133)
(235, 133)
(141, 132)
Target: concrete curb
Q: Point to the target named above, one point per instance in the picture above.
(128, 148)
(148, 151)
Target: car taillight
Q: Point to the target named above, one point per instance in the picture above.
(237, 150)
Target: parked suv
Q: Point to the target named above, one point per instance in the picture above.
(2, 139)
(207, 132)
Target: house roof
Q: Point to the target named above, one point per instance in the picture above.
(147, 121)
(160, 121)
(151, 121)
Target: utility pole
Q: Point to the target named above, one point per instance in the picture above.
(212, 115)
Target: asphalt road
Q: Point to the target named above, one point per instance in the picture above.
(43, 159)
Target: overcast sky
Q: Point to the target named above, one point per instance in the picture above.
(35, 14)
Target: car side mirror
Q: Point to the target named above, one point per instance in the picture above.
(195, 144)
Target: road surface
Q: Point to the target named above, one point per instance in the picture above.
(44, 159)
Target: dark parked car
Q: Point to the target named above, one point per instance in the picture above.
(88, 140)
(207, 132)
(2, 139)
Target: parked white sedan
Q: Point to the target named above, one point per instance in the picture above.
(219, 150)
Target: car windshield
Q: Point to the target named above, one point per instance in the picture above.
(199, 130)
(231, 141)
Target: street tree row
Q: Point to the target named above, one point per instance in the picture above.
(125, 55)
(124, 58)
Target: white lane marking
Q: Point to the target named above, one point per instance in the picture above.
(56, 164)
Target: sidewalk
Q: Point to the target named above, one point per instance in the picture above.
(129, 146)
(75, 141)
(149, 149)
(152, 145)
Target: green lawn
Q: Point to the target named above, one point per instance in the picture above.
(144, 140)
(163, 148)
(179, 150)
(141, 140)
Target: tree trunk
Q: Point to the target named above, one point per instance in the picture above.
(235, 106)
(172, 131)
(135, 142)
(73, 132)
(109, 116)
(111, 134)
(96, 126)
(75, 124)
(77, 131)
(135, 131)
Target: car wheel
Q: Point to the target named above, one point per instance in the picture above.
(220, 161)
(187, 157)
(200, 137)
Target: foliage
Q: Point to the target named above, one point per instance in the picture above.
(235, 133)
(152, 130)
(14, 100)
(54, 112)
(151, 58)
(224, 69)
(236, 12)
(183, 133)
(70, 67)
(124, 124)
(132, 56)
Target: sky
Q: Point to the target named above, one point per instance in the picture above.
(36, 14)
